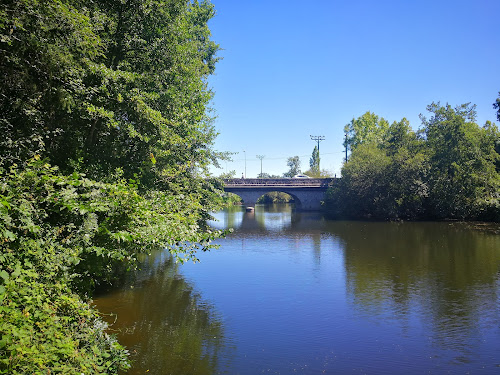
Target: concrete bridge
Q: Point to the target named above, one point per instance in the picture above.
(307, 192)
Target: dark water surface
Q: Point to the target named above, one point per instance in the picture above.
(292, 293)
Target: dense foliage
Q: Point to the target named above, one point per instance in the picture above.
(109, 84)
(449, 169)
(105, 148)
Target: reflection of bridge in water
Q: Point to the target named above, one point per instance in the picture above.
(308, 193)
(267, 219)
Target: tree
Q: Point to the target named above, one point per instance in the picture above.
(407, 172)
(314, 161)
(294, 164)
(384, 181)
(110, 84)
(365, 129)
(463, 180)
(106, 142)
(322, 174)
(496, 105)
(46, 51)
(267, 175)
(363, 188)
(449, 169)
(400, 135)
(112, 89)
(230, 174)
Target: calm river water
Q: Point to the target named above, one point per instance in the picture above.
(292, 293)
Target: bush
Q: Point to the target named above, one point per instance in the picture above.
(60, 238)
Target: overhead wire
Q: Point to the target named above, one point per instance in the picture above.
(286, 157)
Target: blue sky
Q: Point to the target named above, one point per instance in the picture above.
(292, 69)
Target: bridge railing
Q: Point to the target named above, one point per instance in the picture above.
(268, 182)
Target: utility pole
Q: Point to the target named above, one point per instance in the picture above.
(318, 138)
(244, 152)
(260, 157)
(346, 147)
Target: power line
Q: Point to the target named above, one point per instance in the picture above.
(318, 138)
(286, 157)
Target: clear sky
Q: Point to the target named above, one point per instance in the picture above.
(292, 69)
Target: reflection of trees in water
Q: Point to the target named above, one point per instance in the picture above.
(449, 271)
(166, 325)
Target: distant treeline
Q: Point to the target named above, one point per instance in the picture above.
(448, 169)
(275, 197)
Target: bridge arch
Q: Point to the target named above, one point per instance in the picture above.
(252, 200)
(308, 192)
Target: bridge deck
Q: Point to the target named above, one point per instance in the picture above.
(277, 182)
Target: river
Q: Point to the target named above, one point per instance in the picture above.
(293, 293)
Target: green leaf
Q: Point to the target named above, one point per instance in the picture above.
(4, 275)
(9, 235)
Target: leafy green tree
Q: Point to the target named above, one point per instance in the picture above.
(110, 84)
(463, 179)
(230, 174)
(449, 169)
(321, 174)
(407, 172)
(365, 129)
(155, 69)
(46, 49)
(314, 161)
(363, 191)
(106, 141)
(267, 175)
(490, 129)
(112, 88)
(407, 185)
(384, 177)
(496, 105)
(400, 135)
(294, 164)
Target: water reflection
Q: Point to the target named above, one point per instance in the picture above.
(444, 274)
(430, 289)
(270, 219)
(291, 292)
(266, 218)
(165, 323)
